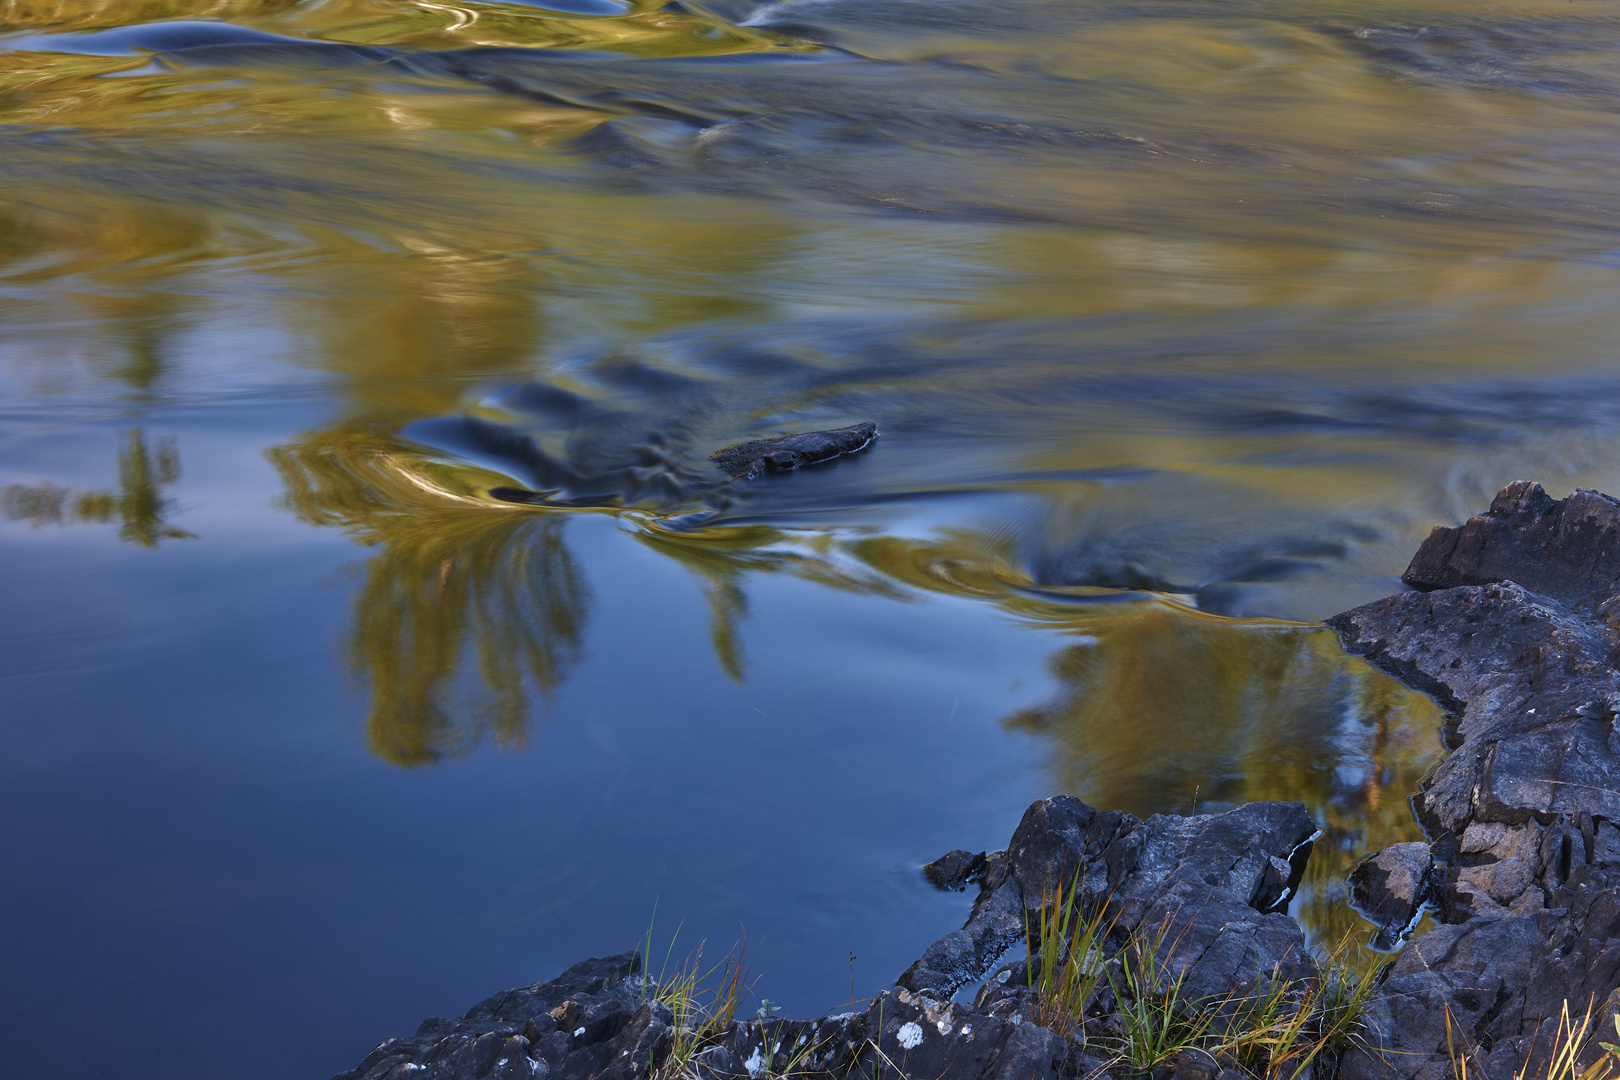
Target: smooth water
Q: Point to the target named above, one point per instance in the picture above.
(1181, 323)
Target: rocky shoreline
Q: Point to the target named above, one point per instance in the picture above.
(1514, 629)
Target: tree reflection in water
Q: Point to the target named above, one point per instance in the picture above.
(471, 608)
(138, 505)
(722, 558)
(1164, 709)
(467, 611)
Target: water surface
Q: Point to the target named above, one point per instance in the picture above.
(1181, 325)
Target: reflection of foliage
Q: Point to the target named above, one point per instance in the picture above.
(455, 576)
(472, 605)
(1164, 709)
(138, 504)
(720, 558)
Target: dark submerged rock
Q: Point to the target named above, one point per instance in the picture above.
(748, 460)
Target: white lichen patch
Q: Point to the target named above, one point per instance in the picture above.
(910, 1035)
(756, 1062)
(578, 1032)
(967, 1031)
(944, 1026)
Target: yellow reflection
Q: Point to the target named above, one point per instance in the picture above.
(138, 505)
(722, 558)
(470, 609)
(1164, 709)
(466, 612)
(646, 29)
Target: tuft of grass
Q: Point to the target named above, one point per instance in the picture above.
(1156, 1018)
(1067, 960)
(1569, 1037)
(702, 1002)
(1280, 1032)
(1287, 1027)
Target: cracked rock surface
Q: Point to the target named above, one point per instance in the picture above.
(1514, 632)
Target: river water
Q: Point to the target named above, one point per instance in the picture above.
(1181, 324)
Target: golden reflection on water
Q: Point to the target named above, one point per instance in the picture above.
(469, 614)
(647, 28)
(1162, 708)
(1253, 165)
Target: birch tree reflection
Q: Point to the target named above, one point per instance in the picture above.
(467, 612)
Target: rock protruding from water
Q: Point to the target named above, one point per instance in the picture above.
(1392, 888)
(955, 870)
(750, 460)
(1514, 638)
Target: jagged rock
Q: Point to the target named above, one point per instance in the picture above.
(1532, 694)
(1516, 637)
(1501, 975)
(1390, 889)
(572, 1026)
(1566, 549)
(1216, 883)
(746, 461)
